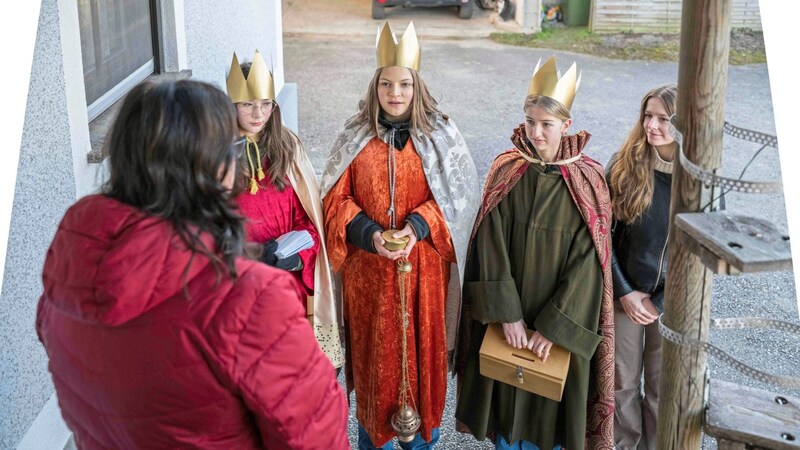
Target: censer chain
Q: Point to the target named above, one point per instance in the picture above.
(404, 323)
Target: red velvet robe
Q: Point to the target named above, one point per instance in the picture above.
(271, 213)
(371, 294)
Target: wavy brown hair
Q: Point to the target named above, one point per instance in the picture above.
(423, 105)
(277, 144)
(631, 177)
(166, 148)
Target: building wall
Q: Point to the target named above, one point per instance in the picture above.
(660, 15)
(45, 186)
(214, 30)
(53, 172)
(528, 14)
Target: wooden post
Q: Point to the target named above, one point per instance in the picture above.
(702, 82)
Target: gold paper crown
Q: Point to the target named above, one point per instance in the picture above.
(404, 54)
(547, 81)
(257, 86)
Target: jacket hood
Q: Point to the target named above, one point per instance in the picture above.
(110, 262)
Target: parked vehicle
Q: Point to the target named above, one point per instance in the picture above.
(505, 8)
(464, 6)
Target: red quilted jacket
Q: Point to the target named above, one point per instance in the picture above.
(147, 354)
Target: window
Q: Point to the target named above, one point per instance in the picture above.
(117, 47)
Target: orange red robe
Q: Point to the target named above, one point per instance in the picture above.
(371, 299)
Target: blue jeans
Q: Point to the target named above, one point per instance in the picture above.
(502, 444)
(365, 443)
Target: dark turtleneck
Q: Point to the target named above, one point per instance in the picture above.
(401, 131)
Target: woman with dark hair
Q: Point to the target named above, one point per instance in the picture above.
(539, 260)
(399, 171)
(281, 195)
(159, 333)
(640, 180)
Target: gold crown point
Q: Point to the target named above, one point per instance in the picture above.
(390, 52)
(258, 85)
(536, 69)
(385, 45)
(236, 83)
(548, 82)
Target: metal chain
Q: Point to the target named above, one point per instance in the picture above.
(403, 271)
(750, 135)
(710, 178)
(731, 324)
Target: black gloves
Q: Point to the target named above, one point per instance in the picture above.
(291, 263)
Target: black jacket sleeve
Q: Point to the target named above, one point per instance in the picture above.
(421, 228)
(621, 284)
(360, 231)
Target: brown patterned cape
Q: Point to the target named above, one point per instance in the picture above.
(587, 186)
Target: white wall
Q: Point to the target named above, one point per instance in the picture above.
(214, 30)
(53, 172)
(45, 187)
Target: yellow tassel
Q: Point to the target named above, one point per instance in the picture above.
(258, 161)
(253, 182)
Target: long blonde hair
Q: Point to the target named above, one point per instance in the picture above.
(631, 177)
(422, 105)
(278, 145)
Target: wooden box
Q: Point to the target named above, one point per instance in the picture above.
(521, 368)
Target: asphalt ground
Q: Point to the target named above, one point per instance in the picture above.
(482, 85)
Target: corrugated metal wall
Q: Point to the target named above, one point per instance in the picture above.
(660, 15)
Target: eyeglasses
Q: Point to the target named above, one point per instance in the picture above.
(250, 107)
(238, 146)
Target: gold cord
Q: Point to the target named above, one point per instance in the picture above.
(533, 160)
(253, 182)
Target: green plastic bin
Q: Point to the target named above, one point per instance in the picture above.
(576, 12)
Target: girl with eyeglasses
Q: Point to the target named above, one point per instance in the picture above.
(279, 194)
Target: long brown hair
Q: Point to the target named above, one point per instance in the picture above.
(422, 105)
(166, 147)
(277, 144)
(631, 177)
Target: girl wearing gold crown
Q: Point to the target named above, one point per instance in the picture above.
(400, 196)
(281, 195)
(640, 181)
(540, 260)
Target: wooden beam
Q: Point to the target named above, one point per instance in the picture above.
(702, 80)
(761, 419)
(730, 243)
